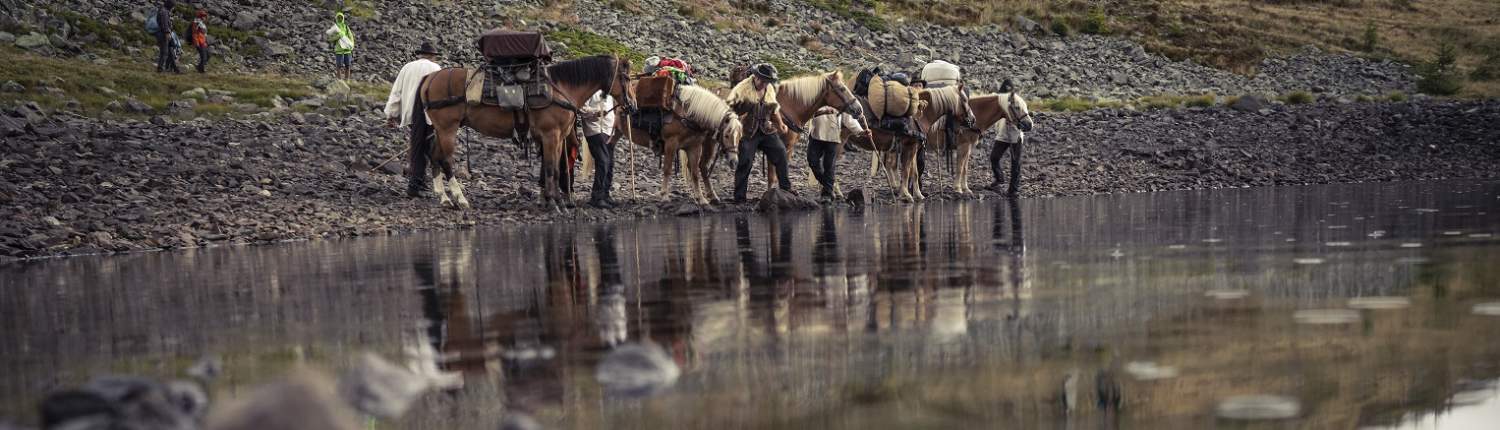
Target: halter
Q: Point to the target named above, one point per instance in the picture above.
(621, 76)
(969, 119)
(850, 106)
(1010, 111)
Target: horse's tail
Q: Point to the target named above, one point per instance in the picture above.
(421, 133)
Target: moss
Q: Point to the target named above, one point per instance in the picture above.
(1206, 100)
(1396, 97)
(582, 43)
(1297, 98)
(845, 8)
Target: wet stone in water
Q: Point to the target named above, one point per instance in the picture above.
(1326, 316)
(1149, 371)
(637, 370)
(1227, 294)
(1379, 303)
(1487, 309)
(1258, 407)
(1308, 261)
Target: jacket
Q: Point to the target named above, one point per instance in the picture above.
(200, 34)
(342, 37)
(759, 111)
(404, 91)
(1009, 133)
(603, 106)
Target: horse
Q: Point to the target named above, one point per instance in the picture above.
(901, 173)
(989, 110)
(572, 83)
(699, 119)
(800, 99)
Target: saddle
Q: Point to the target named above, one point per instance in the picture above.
(515, 75)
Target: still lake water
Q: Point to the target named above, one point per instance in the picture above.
(977, 314)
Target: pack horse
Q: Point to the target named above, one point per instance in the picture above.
(516, 95)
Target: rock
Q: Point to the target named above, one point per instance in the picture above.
(322, 82)
(118, 402)
(137, 106)
(637, 369)
(7, 37)
(377, 387)
(1249, 103)
(687, 209)
(776, 199)
(195, 93)
(311, 102)
(1025, 25)
(1258, 407)
(303, 400)
(182, 106)
(13, 87)
(858, 197)
(33, 41)
(158, 120)
(337, 87)
(245, 20)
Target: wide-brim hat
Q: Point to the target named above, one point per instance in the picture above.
(765, 71)
(426, 49)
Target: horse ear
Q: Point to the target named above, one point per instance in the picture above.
(838, 75)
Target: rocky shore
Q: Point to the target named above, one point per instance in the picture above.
(72, 185)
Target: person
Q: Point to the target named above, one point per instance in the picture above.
(1008, 140)
(599, 122)
(827, 125)
(166, 57)
(402, 102)
(200, 39)
(754, 100)
(343, 46)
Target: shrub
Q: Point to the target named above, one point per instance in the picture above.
(1371, 37)
(1096, 22)
(1297, 98)
(1440, 76)
(1206, 100)
(1061, 28)
(631, 6)
(1159, 102)
(1396, 97)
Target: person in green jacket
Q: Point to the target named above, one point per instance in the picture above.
(343, 46)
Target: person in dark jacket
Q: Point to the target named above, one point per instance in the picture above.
(754, 100)
(166, 56)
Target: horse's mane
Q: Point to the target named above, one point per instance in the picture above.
(805, 89)
(701, 106)
(598, 69)
(944, 100)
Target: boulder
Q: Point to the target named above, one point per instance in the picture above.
(13, 87)
(195, 93)
(1249, 103)
(777, 199)
(245, 20)
(33, 41)
(137, 106)
(1026, 25)
(7, 37)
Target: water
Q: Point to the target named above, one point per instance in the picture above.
(945, 315)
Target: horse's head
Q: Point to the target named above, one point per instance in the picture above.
(838, 95)
(620, 87)
(1016, 111)
(965, 112)
(729, 140)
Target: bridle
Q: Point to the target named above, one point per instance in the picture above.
(1010, 111)
(850, 106)
(622, 78)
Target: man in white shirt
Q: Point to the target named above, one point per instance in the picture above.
(402, 103)
(598, 116)
(823, 133)
(1008, 140)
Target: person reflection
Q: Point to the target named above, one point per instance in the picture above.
(611, 320)
(769, 283)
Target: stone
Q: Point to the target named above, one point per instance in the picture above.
(13, 87)
(337, 87)
(182, 106)
(7, 37)
(380, 388)
(195, 93)
(777, 199)
(1025, 25)
(245, 20)
(637, 369)
(1249, 103)
(137, 106)
(303, 400)
(311, 102)
(159, 120)
(33, 41)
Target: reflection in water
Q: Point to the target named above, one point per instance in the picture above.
(1143, 311)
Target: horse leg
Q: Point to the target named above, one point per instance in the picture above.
(668, 160)
(551, 141)
(695, 173)
(961, 178)
(453, 186)
(442, 160)
(705, 163)
(437, 185)
(913, 174)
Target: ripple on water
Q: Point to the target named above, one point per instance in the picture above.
(1326, 316)
(1226, 294)
(1308, 261)
(1379, 303)
(1338, 243)
(637, 370)
(1491, 309)
(1149, 371)
(1411, 245)
(1259, 407)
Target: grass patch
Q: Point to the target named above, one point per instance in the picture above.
(1060, 28)
(583, 43)
(1440, 76)
(871, 19)
(82, 82)
(1067, 104)
(1203, 101)
(1396, 97)
(1298, 98)
(1160, 102)
(629, 6)
(692, 12)
(785, 68)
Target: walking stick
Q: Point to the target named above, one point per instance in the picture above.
(630, 140)
(389, 160)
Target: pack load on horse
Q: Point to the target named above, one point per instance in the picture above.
(515, 95)
(939, 74)
(675, 68)
(892, 101)
(691, 119)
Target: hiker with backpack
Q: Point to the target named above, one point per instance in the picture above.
(343, 46)
(160, 25)
(200, 39)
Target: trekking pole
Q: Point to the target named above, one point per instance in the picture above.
(389, 160)
(630, 140)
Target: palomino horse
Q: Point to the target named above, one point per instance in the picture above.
(573, 82)
(989, 110)
(901, 173)
(800, 99)
(699, 119)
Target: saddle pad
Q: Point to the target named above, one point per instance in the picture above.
(474, 87)
(656, 92)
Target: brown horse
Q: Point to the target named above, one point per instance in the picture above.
(988, 111)
(700, 119)
(800, 99)
(572, 83)
(901, 173)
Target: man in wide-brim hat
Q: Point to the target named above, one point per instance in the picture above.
(754, 100)
(400, 107)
